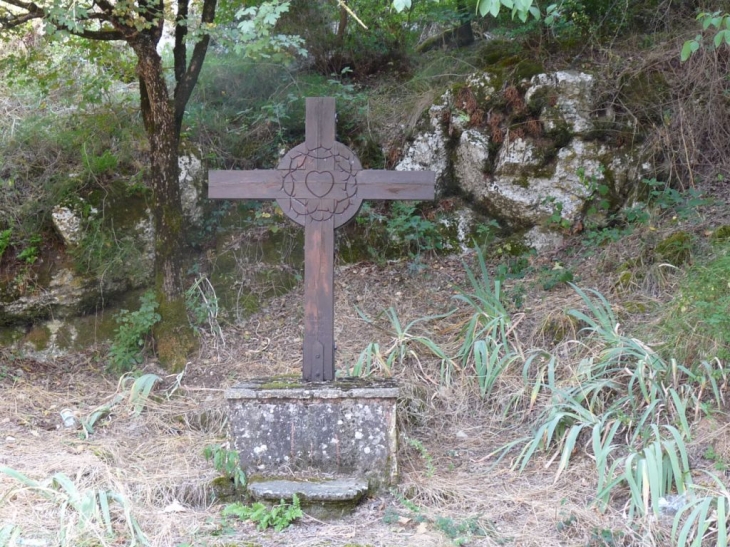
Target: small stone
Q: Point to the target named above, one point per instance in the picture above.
(9, 439)
(461, 435)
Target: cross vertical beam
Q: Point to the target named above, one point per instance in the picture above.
(319, 302)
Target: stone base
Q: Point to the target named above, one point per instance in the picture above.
(329, 499)
(286, 428)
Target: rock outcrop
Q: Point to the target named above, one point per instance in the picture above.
(108, 249)
(531, 154)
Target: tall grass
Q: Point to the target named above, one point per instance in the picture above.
(625, 405)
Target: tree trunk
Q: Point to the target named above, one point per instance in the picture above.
(464, 33)
(173, 335)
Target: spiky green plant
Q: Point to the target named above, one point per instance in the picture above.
(83, 513)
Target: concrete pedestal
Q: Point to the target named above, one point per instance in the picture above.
(285, 428)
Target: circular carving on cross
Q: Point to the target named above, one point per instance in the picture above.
(320, 184)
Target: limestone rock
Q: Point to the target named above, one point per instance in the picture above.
(570, 96)
(67, 219)
(67, 224)
(191, 187)
(524, 155)
(542, 240)
(428, 150)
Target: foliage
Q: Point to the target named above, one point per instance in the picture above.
(202, 304)
(56, 156)
(404, 345)
(137, 396)
(5, 236)
(520, 8)
(700, 308)
(132, 335)
(227, 463)
(717, 20)
(279, 516)
(705, 520)
(406, 224)
(84, 515)
(670, 200)
(425, 455)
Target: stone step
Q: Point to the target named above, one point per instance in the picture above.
(323, 499)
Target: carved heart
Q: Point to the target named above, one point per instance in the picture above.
(319, 183)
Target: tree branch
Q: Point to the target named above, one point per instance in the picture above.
(30, 7)
(181, 32)
(101, 35)
(15, 20)
(185, 85)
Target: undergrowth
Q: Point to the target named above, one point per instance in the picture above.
(629, 407)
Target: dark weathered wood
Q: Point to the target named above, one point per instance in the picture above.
(320, 184)
(319, 301)
(256, 184)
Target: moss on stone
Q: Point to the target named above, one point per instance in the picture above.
(224, 490)
(39, 337)
(522, 181)
(495, 51)
(174, 337)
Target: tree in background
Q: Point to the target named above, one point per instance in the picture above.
(140, 24)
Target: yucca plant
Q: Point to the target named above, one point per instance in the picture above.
(490, 319)
(404, 344)
(704, 520)
(83, 512)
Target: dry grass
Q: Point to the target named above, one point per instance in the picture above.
(155, 458)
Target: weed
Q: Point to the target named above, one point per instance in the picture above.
(699, 311)
(425, 455)
(718, 462)
(201, 302)
(227, 463)
(104, 252)
(606, 537)
(684, 205)
(137, 394)
(5, 240)
(132, 335)
(31, 251)
(404, 345)
(557, 275)
(556, 220)
(279, 516)
(409, 226)
(705, 519)
(459, 531)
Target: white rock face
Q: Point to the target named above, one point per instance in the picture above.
(529, 177)
(67, 222)
(191, 174)
(543, 240)
(515, 156)
(573, 92)
(526, 199)
(428, 150)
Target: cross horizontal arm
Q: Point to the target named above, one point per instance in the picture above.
(255, 184)
(380, 184)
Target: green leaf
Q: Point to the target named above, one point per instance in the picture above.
(401, 5)
(689, 47)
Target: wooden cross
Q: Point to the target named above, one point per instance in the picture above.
(320, 185)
